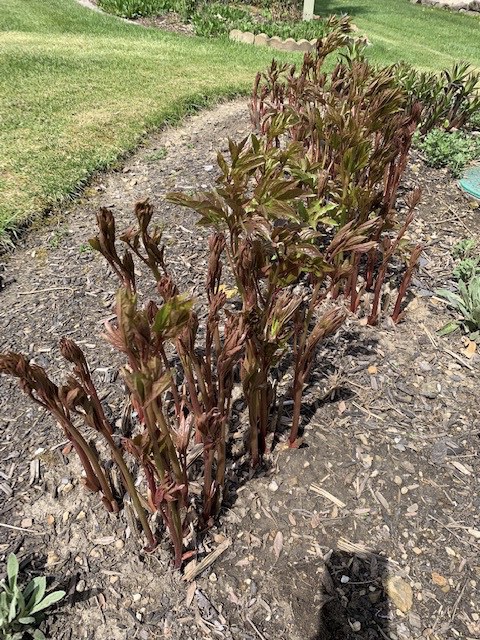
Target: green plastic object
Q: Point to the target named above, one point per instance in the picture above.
(471, 181)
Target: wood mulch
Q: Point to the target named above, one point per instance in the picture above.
(369, 531)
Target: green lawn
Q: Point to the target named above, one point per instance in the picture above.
(77, 89)
(423, 36)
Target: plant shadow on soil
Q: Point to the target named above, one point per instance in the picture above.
(348, 591)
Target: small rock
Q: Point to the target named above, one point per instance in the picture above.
(119, 544)
(81, 584)
(52, 558)
(438, 579)
(26, 523)
(81, 515)
(273, 486)
(400, 592)
(137, 597)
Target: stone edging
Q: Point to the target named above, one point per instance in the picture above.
(275, 42)
(464, 6)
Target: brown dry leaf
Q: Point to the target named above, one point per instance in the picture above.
(292, 520)
(243, 563)
(372, 369)
(342, 407)
(190, 593)
(470, 348)
(278, 544)
(438, 579)
(316, 520)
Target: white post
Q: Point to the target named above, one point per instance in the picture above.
(308, 9)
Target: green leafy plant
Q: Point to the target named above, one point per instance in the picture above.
(468, 265)
(132, 9)
(218, 19)
(464, 248)
(21, 610)
(467, 303)
(466, 269)
(454, 150)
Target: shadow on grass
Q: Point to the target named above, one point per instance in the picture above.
(329, 7)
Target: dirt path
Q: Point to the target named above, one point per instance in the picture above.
(396, 447)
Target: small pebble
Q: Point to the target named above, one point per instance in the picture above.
(137, 597)
(52, 558)
(273, 486)
(80, 586)
(26, 523)
(119, 544)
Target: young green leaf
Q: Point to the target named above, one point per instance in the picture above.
(50, 598)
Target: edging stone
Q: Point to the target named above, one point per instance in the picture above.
(464, 6)
(275, 42)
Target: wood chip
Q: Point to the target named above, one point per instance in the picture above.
(460, 467)
(278, 544)
(190, 593)
(325, 494)
(191, 572)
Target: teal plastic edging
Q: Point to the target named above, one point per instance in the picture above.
(470, 182)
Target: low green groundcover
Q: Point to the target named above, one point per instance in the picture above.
(272, 17)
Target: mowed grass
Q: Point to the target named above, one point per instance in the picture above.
(79, 89)
(423, 36)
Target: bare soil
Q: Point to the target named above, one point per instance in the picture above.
(391, 434)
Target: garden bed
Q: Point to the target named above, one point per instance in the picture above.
(391, 436)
